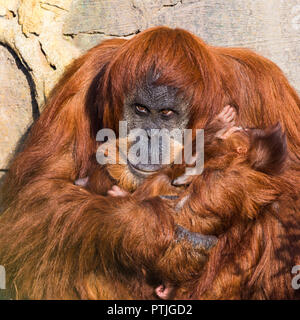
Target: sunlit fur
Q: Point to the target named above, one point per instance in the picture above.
(60, 241)
(247, 198)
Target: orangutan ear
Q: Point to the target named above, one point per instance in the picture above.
(268, 149)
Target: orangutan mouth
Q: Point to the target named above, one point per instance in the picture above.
(140, 172)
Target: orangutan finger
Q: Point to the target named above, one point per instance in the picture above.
(169, 197)
(116, 191)
(199, 240)
(82, 182)
(165, 291)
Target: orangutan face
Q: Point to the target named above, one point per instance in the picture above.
(154, 107)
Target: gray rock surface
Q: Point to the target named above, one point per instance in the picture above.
(16, 112)
(270, 27)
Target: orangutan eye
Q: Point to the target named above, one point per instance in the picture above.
(141, 109)
(167, 112)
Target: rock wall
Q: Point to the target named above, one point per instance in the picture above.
(39, 38)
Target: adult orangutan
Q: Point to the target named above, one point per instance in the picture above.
(243, 186)
(61, 241)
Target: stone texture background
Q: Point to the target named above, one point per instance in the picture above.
(38, 38)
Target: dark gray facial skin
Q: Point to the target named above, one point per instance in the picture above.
(154, 107)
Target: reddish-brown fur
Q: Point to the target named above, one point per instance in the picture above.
(60, 241)
(247, 200)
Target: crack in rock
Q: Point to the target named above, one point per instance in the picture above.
(9, 14)
(73, 35)
(172, 4)
(46, 57)
(44, 5)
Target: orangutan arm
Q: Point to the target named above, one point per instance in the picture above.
(59, 233)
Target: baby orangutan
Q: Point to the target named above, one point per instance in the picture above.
(240, 186)
(247, 160)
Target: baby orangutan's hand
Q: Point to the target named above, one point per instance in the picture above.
(225, 119)
(227, 116)
(165, 291)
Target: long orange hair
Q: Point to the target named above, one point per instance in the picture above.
(39, 198)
